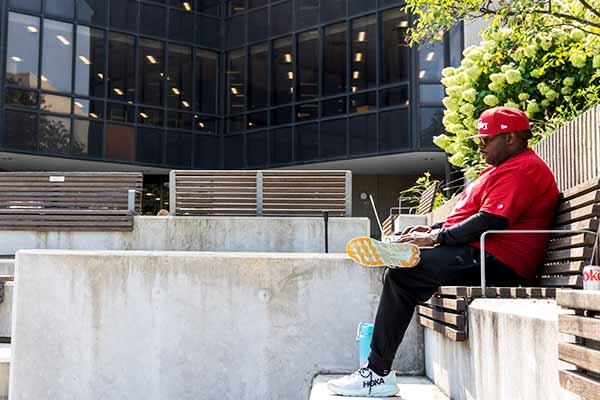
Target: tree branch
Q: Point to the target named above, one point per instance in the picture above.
(558, 15)
(589, 7)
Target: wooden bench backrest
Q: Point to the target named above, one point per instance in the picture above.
(47, 201)
(261, 193)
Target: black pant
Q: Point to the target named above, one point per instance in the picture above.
(403, 288)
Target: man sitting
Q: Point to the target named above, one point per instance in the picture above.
(518, 191)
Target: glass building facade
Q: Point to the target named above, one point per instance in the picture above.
(217, 84)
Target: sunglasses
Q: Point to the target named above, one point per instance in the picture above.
(484, 141)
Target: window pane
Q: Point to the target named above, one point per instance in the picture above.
(306, 112)
(333, 107)
(394, 97)
(363, 134)
(205, 124)
(334, 80)
(89, 108)
(431, 62)
(236, 124)
(281, 116)
(206, 81)
(236, 81)
(257, 120)
(257, 3)
(120, 113)
(431, 125)
(22, 50)
(57, 55)
(236, 31)
(396, 54)
(21, 98)
(363, 102)
(307, 142)
(256, 150)
(394, 130)
(121, 63)
(281, 18)
(21, 130)
(54, 135)
(208, 31)
(234, 152)
(431, 94)
(88, 138)
(359, 6)
(236, 7)
(60, 8)
(308, 65)
(180, 120)
(92, 12)
(153, 20)
(90, 68)
(333, 138)
(27, 5)
(181, 26)
(258, 29)
(259, 77)
(119, 142)
(283, 67)
(150, 116)
(281, 145)
(364, 53)
(208, 6)
(151, 75)
(180, 74)
(179, 149)
(186, 5)
(123, 14)
(307, 13)
(206, 152)
(55, 104)
(332, 9)
(149, 145)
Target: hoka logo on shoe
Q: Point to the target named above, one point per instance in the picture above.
(373, 382)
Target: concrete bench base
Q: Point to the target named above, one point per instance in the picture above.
(182, 325)
(411, 388)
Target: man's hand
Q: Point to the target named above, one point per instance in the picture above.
(420, 239)
(417, 228)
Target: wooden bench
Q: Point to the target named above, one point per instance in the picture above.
(584, 324)
(578, 210)
(69, 201)
(425, 206)
(261, 193)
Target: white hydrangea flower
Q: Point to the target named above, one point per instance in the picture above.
(578, 58)
(448, 71)
(513, 76)
(491, 100)
(498, 77)
(467, 109)
(469, 95)
(523, 96)
(568, 81)
(496, 87)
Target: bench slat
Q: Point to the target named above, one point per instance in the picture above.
(450, 304)
(579, 201)
(584, 300)
(590, 211)
(579, 240)
(576, 254)
(580, 356)
(449, 332)
(579, 190)
(580, 384)
(457, 320)
(586, 327)
(564, 268)
(574, 281)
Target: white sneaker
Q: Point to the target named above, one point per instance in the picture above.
(365, 383)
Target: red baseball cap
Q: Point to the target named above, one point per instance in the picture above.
(499, 120)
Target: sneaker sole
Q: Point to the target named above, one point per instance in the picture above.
(386, 391)
(373, 253)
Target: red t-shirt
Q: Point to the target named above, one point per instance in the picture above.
(523, 190)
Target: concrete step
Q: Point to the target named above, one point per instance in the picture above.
(411, 388)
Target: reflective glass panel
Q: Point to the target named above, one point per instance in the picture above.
(397, 96)
(431, 94)
(21, 98)
(180, 77)
(54, 134)
(121, 64)
(151, 72)
(257, 120)
(208, 31)
(149, 145)
(359, 6)
(119, 142)
(180, 120)
(27, 5)
(307, 13)
(363, 102)
(256, 149)
(430, 125)
(208, 6)
(90, 67)
(124, 14)
(431, 62)
(179, 149)
(281, 116)
(88, 108)
(120, 112)
(21, 130)
(308, 65)
(396, 55)
(236, 6)
(57, 54)
(206, 81)
(394, 130)
(334, 78)
(92, 12)
(281, 18)
(363, 134)
(282, 69)
(236, 124)
(234, 152)
(332, 10)
(22, 50)
(55, 104)
(259, 76)
(181, 26)
(60, 8)
(281, 145)
(307, 142)
(258, 29)
(236, 81)
(333, 138)
(307, 111)
(153, 20)
(205, 124)
(150, 116)
(88, 138)
(236, 31)
(333, 107)
(206, 152)
(364, 53)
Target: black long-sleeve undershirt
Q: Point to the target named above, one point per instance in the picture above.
(470, 229)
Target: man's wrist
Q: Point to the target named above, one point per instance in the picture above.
(434, 235)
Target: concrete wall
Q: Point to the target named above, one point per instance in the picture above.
(511, 353)
(182, 325)
(290, 234)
